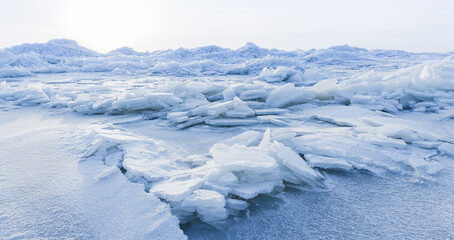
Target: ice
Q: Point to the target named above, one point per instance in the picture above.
(254, 94)
(13, 71)
(280, 73)
(327, 162)
(382, 140)
(283, 95)
(270, 111)
(231, 122)
(204, 198)
(236, 204)
(241, 158)
(148, 101)
(248, 138)
(425, 167)
(192, 130)
(176, 190)
(426, 144)
(287, 157)
(446, 148)
(251, 190)
(340, 115)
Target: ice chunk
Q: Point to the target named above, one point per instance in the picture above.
(447, 148)
(287, 157)
(398, 131)
(148, 101)
(107, 172)
(251, 190)
(231, 122)
(176, 115)
(176, 190)
(340, 115)
(327, 162)
(228, 94)
(425, 167)
(193, 121)
(278, 120)
(254, 94)
(248, 138)
(283, 95)
(383, 140)
(426, 144)
(204, 198)
(282, 134)
(236, 204)
(279, 74)
(212, 214)
(362, 99)
(242, 158)
(270, 111)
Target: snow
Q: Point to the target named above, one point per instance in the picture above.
(446, 148)
(47, 192)
(203, 133)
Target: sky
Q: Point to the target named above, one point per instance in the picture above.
(147, 25)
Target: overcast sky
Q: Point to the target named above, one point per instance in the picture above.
(104, 25)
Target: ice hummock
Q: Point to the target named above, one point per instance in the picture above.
(299, 116)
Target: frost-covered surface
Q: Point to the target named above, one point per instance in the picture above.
(280, 118)
(48, 193)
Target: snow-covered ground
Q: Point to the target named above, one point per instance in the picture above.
(226, 143)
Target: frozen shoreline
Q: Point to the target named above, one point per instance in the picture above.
(213, 135)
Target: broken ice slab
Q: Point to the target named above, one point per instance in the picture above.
(362, 99)
(270, 111)
(284, 95)
(446, 148)
(396, 131)
(103, 103)
(272, 119)
(248, 138)
(241, 158)
(254, 94)
(287, 157)
(251, 190)
(426, 167)
(193, 121)
(227, 122)
(339, 115)
(323, 162)
(176, 115)
(212, 214)
(236, 204)
(204, 198)
(426, 144)
(255, 105)
(282, 134)
(382, 140)
(149, 101)
(175, 190)
(212, 107)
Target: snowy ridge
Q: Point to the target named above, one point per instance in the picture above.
(63, 55)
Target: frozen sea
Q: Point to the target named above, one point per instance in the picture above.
(215, 143)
